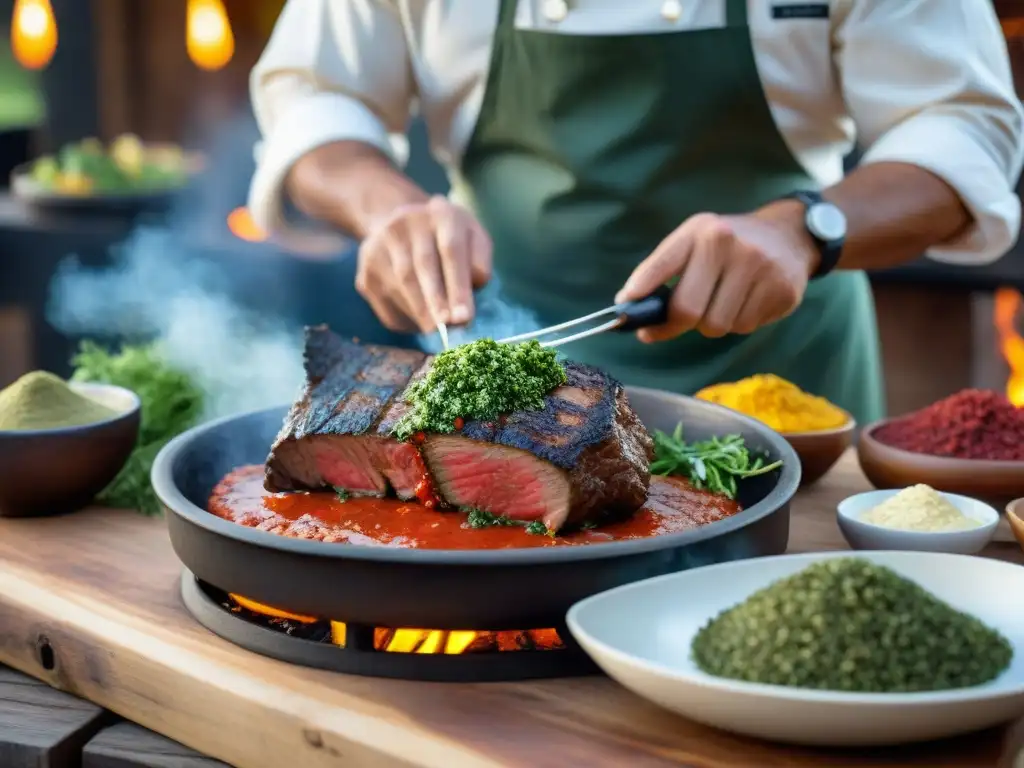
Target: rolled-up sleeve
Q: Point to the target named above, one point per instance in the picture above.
(333, 70)
(928, 82)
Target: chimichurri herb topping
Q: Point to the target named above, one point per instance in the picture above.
(847, 624)
(480, 381)
(479, 518)
(537, 528)
(714, 465)
(341, 493)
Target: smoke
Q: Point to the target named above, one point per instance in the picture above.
(217, 310)
(496, 318)
(242, 360)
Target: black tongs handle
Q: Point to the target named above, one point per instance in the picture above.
(643, 313)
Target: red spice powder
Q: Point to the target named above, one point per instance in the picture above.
(972, 424)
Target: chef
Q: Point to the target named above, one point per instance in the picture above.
(600, 148)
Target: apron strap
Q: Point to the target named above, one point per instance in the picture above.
(507, 14)
(735, 13)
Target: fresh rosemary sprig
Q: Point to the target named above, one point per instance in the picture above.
(714, 465)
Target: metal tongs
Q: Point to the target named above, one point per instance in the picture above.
(627, 316)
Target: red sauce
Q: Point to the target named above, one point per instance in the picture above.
(672, 505)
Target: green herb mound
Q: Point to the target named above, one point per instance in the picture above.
(849, 625)
(171, 403)
(480, 381)
(714, 465)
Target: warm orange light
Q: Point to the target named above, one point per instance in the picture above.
(33, 33)
(1008, 303)
(267, 610)
(208, 36)
(242, 226)
(425, 641)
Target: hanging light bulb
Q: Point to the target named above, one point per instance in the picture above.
(208, 36)
(33, 33)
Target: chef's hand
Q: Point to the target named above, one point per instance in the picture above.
(420, 265)
(736, 273)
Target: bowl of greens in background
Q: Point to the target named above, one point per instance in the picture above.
(128, 173)
(171, 403)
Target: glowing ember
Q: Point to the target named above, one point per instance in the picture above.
(33, 33)
(1008, 302)
(425, 641)
(208, 36)
(243, 227)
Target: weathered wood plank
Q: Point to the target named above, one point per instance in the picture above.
(126, 745)
(41, 727)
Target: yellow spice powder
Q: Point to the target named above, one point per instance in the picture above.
(780, 404)
(919, 508)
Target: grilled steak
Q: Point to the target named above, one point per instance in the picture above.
(338, 433)
(584, 457)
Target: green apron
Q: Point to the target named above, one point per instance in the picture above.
(589, 150)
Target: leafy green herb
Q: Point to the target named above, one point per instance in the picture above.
(480, 380)
(537, 528)
(341, 493)
(714, 465)
(171, 403)
(846, 624)
(479, 518)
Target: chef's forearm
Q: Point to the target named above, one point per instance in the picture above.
(894, 213)
(351, 185)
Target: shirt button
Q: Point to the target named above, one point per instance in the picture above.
(671, 10)
(556, 10)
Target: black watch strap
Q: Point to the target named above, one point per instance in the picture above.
(829, 250)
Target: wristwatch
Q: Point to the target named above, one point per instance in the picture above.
(826, 224)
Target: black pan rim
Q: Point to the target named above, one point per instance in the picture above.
(174, 501)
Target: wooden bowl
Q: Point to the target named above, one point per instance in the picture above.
(819, 451)
(887, 467)
(1015, 514)
(52, 471)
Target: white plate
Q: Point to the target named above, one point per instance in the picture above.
(640, 634)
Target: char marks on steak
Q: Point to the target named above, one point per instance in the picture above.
(337, 434)
(584, 457)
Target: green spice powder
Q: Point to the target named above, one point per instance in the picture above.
(480, 380)
(40, 400)
(849, 625)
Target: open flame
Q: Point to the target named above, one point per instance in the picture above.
(208, 36)
(1008, 303)
(33, 33)
(242, 226)
(425, 641)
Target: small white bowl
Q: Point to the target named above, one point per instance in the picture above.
(861, 535)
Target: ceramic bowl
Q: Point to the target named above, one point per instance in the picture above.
(861, 535)
(996, 482)
(641, 634)
(1015, 514)
(52, 471)
(819, 451)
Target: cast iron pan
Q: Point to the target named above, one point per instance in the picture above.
(485, 589)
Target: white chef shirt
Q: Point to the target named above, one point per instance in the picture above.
(916, 81)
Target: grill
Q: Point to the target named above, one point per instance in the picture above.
(441, 615)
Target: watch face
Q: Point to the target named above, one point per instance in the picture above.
(826, 222)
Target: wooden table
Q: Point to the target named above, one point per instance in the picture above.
(89, 603)
(41, 727)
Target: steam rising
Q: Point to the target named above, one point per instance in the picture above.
(496, 318)
(159, 287)
(242, 361)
